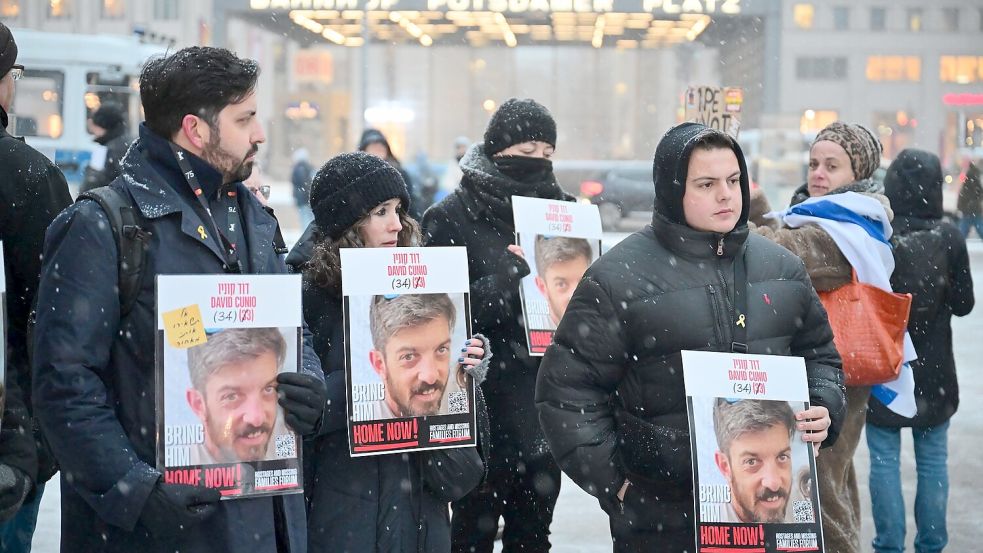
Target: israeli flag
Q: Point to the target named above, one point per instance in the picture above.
(861, 229)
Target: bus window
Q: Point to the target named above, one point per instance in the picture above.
(121, 90)
(39, 103)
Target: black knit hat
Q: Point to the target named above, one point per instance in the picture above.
(8, 50)
(517, 121)
(109, 115)
(348, 186)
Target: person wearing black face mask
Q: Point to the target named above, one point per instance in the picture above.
(523, 480)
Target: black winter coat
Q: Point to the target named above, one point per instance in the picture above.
(463, 219)
(302, 251)
(94, 370)
(932, 264)
(32, 192)
(300, 178)
(381, 504)
(970, 199)
(116, 142)
(610, 392)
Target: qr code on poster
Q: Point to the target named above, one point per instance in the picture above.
(286, 446)
(457, 402)
(802, 511)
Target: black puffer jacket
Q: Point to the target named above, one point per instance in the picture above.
(465, 219)
(610, 392)
(932, 264)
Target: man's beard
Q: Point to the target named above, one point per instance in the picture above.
(232, 168)
(767, 515)
(226, 448)
(408, 409)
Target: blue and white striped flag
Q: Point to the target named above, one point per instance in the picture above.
(861, 229)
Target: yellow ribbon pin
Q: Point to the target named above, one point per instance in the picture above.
(201, 232)
(740, 321)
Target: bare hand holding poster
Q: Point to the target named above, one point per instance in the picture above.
(754, 478)
(407, 318)
(221, 342)
(559, 240)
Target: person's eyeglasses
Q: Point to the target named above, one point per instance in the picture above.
(263, 189)
(16, 72)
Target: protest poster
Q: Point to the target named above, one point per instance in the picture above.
(560, 240)
(407, 317)
(716, 107)
(754, 479)
(221, 342)
(3, 333)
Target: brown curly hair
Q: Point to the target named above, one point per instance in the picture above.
(324, 268)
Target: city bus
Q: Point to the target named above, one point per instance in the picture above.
(66, 78)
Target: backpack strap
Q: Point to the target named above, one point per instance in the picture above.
(131, 240)
(279, 245)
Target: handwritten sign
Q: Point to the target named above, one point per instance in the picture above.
(184, 328)
(716, 107)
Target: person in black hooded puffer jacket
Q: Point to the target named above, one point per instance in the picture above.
(523, 480)
(610, 392)
(932, 264)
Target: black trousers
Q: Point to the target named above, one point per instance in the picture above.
(647, 524)
(524, 493)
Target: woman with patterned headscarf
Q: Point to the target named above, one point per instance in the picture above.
(840, 222)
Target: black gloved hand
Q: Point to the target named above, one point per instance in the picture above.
(511, 268)
(172, 508)
(302, 397)
(14, 486)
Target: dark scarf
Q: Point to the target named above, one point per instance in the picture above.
(492, 189)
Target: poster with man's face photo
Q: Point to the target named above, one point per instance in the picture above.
(754, 476)
(406, 365)
(560, 241)
(219, 421)
(759, 467)
(407, 320)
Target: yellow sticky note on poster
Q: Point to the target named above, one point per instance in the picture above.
(184, 328)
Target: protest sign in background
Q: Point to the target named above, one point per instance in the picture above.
(716, 107)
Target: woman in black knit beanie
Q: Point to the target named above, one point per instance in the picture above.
(386, 503)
